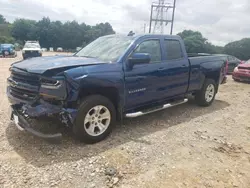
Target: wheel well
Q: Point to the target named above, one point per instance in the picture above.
(109, 92)
(216, 77)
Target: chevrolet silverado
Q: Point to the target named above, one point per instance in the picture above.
(113, 77)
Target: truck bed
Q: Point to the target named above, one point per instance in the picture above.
(200, 65)
(201, 59)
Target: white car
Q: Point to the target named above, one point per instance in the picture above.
(59, 49)
(31, 49)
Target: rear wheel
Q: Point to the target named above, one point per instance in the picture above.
(206, 95)
(95, 119)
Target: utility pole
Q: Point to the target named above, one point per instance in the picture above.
(151, 14)
(172, 24)
(158, 16)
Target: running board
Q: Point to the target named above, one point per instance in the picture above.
(141, 113)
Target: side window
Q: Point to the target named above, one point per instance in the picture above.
(151, 47)
(174, 50)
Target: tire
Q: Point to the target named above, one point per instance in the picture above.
(88, 124)
(236, 80)
(6, 53)
(204, 97)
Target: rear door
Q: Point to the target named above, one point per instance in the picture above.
(175, 69)
(142, 82)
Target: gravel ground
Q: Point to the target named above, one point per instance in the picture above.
(186, 146)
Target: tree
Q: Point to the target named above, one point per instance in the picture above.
(56, 34)
(196, 43)
(2, 20)
(212, 49)
(239, 49)
(23, 29)
(5, 30)
(4, 39)
(43, 27)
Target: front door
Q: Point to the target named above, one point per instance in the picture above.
(142, 82)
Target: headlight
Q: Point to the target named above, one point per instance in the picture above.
(52, 83)
(236, 69)
(53, 88)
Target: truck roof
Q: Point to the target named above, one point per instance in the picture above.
(148, 35)
(157, 35)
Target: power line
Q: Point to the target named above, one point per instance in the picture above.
(159, 14)
(172, 25)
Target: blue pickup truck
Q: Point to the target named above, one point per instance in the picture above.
(111, 78)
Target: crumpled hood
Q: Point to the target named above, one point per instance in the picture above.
(41, 64)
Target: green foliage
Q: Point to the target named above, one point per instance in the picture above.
(239, 49)
(196, 43)
(8, 40)
(23, 29)
(2, 20)
(5, 31)
(56, 34)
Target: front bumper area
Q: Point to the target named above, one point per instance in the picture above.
(23, 124)
(31, 54)
(21, 110)
(245, 77)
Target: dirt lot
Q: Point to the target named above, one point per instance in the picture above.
(186, 146)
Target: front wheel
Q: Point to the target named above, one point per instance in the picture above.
(6, 53)
(206, 95)
(95, 119)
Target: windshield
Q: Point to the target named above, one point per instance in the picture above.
(247, 62)
(31, 45)
(6, 45)
(108, 48)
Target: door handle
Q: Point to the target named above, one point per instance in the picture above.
(139, 78)
(184, 66)
(161, 69)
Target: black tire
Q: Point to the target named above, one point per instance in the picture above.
(5, 53)
(200, 96)
(87, 104)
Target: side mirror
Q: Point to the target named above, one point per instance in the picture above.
(139, 58)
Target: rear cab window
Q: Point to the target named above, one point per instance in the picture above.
(174, 50)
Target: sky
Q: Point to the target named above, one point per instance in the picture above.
(220, 21)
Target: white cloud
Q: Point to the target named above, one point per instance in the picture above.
(220, 21)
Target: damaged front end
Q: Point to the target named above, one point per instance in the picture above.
(35, 96)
